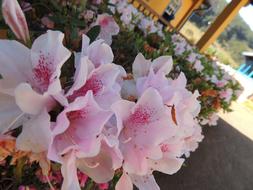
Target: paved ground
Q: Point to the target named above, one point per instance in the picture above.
(224, 160)
(241, 119)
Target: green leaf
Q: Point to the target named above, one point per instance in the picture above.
(74, 33)
(55, 5)
(94, 32)
(77, 22)
(58, 19)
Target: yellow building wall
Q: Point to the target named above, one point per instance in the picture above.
(186, 9)
(159, 6)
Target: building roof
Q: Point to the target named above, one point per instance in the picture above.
(247, 53)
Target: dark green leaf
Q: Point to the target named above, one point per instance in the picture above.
(94, 32)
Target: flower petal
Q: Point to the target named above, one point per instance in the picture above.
(30, 101)
(167, 165)
(79, 127)
(121, 109)
(16, 67)
(141, 66)
(15, 18)
(136, 123)
(81, 74)
(98, 52)
(36, 134)
(145, 182)
(48, 55)
(69, 172)
(10, 114)
(180, 82)
(101, 168)
(162, 64)
(157, 81)
(108, 27)
(124, 183)
(101, 82)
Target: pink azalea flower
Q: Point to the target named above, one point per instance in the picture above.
(192, 57)
(69, 172)
(98, 52)
(15, 18)
(126, 16)
(101, 168)
(10, 114)
(109, 27)
(31, 77)
(78, 135)
(180, 48)
(220, 83)
(158, 154)
(211, 120)
(101, 81)
(138, 122)
(151, 74)
(96, 72)
(198, 66)
(36, 134)
(175, 38)
(226, 94)
(148, 26)
(191, 142)
(187, 108)
(88, 15)
(79, 128)
(47, 22)
(182, 104)
(142, 182)
(141, 66)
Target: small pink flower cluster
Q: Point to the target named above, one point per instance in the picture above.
(131, 17)
(182, 47)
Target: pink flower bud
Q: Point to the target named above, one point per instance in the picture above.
(103, 186)
(15, 18)
(21, 187)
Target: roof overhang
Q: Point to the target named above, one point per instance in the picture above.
(247, 54)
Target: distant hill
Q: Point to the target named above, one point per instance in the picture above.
(237, 37)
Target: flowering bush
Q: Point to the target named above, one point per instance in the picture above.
(81, 108)
(217, 88)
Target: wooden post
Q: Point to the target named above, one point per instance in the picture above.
(220, 23)
(184, 12)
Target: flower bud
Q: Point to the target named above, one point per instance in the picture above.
(15, 18)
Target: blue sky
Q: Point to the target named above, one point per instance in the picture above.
(247, 14)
